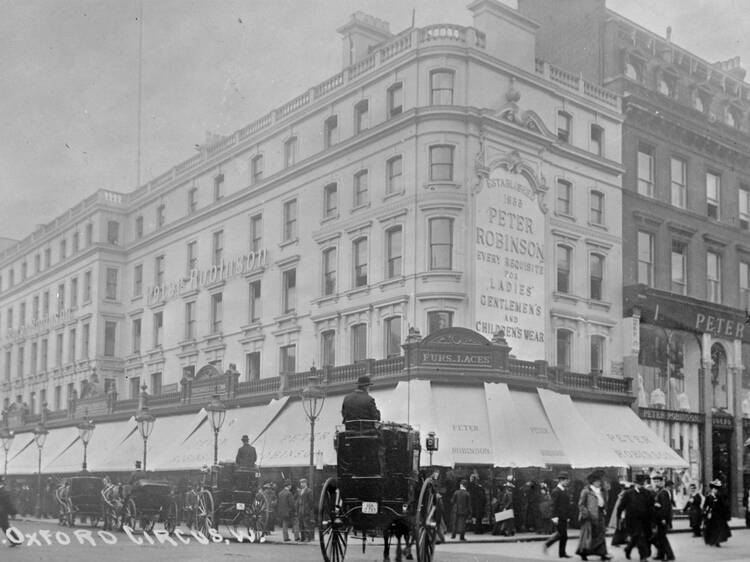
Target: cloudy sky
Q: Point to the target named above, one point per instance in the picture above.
(69, 88)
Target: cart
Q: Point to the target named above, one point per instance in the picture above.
(80, 496)
(230, 496)
(378, 490)
(148, 502)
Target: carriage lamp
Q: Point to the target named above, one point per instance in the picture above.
(313, 397)
(85, 431)
(431, 443)
(40, 436)
(145, 421)
(6, 435)
(216, 414)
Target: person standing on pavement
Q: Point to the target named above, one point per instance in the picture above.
(663, 519)
(6, 509)
(716, 514)
(746, 505)
(638, 506)
(694, 509)
(305, 512)
(286, 510)
(591, 510)
(478, 503)
(462, 510)
(560, 514)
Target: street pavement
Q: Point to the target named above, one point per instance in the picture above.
(84, 547)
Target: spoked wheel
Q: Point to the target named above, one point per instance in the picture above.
(257, 517)
(205, 512)
(426, 522)
(332, 530)
(129, 514)
(170, 521)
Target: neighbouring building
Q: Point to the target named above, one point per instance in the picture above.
(686, 227)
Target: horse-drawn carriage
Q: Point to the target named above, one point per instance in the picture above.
(231, 495)
(147, 502)
(80, 496)
(378, 489)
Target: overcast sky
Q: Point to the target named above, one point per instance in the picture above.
(69, 88)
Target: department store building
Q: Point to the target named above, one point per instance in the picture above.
(446, 177)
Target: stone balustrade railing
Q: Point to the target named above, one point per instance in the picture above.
(193, 394)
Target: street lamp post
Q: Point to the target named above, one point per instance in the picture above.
(216, 414)
(40, 436)
(145, 421)
(6, 435)
(313, 397)
(86, 431)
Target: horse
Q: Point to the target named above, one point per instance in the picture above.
(399, 528)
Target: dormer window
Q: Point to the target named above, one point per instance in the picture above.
(698, 102)
(634, 70)
(733, 117)
(665, 86)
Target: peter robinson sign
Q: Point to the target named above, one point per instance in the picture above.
(509, 246)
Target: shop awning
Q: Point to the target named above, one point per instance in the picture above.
(25, 460)
(521, 433)
(194, 447)
(630, 438)
(69, 460)
(121, 456)
(584, 446)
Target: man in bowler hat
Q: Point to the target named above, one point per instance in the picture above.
(560, 515)
(638, 505)
(663, 519)
(359, 405)
(246, 455)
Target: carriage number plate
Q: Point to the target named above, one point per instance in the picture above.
(240, 507)
(370, 508)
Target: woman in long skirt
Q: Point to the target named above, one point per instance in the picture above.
(593, 522)
(716, 515)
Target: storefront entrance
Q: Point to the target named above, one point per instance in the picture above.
(722, 456)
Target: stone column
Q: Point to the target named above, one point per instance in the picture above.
(708, 400)
(738, 441)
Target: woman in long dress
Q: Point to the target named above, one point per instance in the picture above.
(716, 515)
(593, 522)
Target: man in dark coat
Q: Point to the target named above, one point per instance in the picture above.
(638, 505)
(461, 510)
(246, 455)
(560, 514)
(6, 508)
(478, 503)
(663, 519)
(359, 405)
(305, 511)
(286, 510)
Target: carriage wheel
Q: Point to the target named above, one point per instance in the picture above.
(332, 530)
(129, 514)
(170, 523)
(257, 517)
(426, 522)
(205, 512)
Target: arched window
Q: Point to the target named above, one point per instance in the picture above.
(719, 378)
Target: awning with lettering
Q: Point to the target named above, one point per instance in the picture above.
(584, 446)
(462, 425)
(521, 433)
(630, 438)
